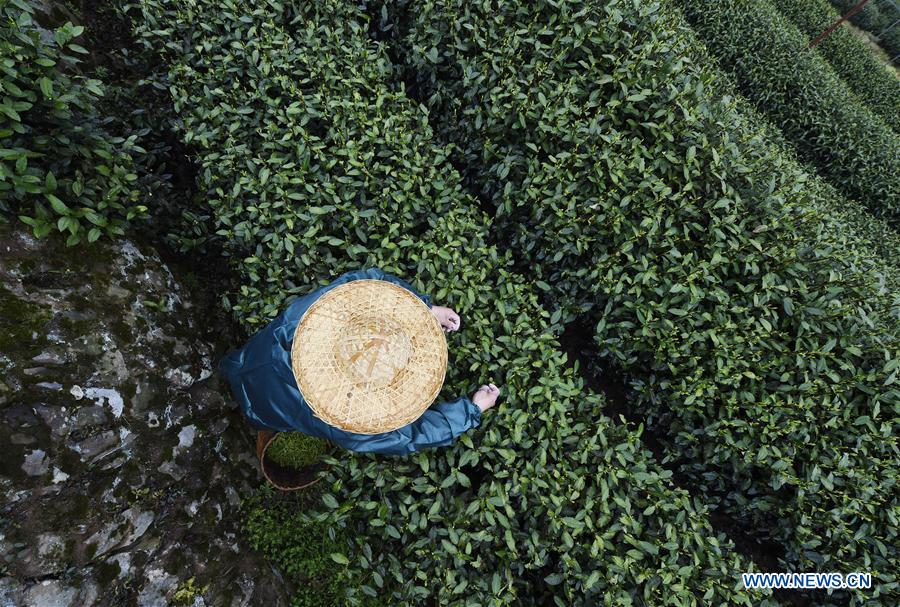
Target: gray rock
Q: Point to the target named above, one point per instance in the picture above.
(96, 445)
(126, 445)
(172, 469)
(108, 396)
(88, 417)
(49, 385)
(145, 394)
(36, 463)
(140, 522)
(49, 358)
(117, 292)
(130, 526)
(123, 560)
(50, 593)
(115, 463)
(159, 583)
(55, 417)
(44, 558)
(186, 438)
(179, 378)
(11, 592)
(112, 367)
(21, 439)
(246, 586)
(89, 594)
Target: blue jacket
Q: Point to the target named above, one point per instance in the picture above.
(263, 383)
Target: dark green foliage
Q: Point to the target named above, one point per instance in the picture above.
(59, 167)
(875, 83)
(758, 334)
(301, 548)
(295, 449)
(570, 510)
(137, 102)
(875, 17)
(304, 168)
(803, 96)
(316, 163)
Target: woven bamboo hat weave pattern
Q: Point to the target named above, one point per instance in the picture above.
(369, 357)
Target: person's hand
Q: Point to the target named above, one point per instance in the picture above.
(486, 397)
(448, 318)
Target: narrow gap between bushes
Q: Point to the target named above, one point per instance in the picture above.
(576, 340)
(385, 34)
(205, 273)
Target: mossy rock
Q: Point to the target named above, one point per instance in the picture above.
(21, 324)
(295, 450)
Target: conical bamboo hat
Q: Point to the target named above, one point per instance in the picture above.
(369, 357)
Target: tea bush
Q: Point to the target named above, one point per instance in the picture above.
(300, 548)
(872, 243)
(548, 503)
(59, 167)
(137, 102)
(315, 162)
(875, 83)
(801, 93)
(875, 18)
(766, 351)
(296, 156)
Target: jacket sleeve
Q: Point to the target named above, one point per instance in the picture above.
(439, 426)
(376, 274)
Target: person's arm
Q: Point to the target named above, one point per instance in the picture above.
(439, 426)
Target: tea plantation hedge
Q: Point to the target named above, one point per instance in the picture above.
(875, 17)
(305, 168)
(570, 509)
(314, 163)
(875, 83)
(766, 352)
(60, 169)
(801, 93)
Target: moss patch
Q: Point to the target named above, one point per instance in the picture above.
(187, 591)
(295, 449)
(106, 572)
(19, 320)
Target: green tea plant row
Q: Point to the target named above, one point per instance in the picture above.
(59, 167)
(759, 340)
(303, 140)
(285, 158)
(873, 81)
(875, 17)
(843, 223)
(847, 226)
(801, 93)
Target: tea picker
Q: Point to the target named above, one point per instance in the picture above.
(357, 363)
